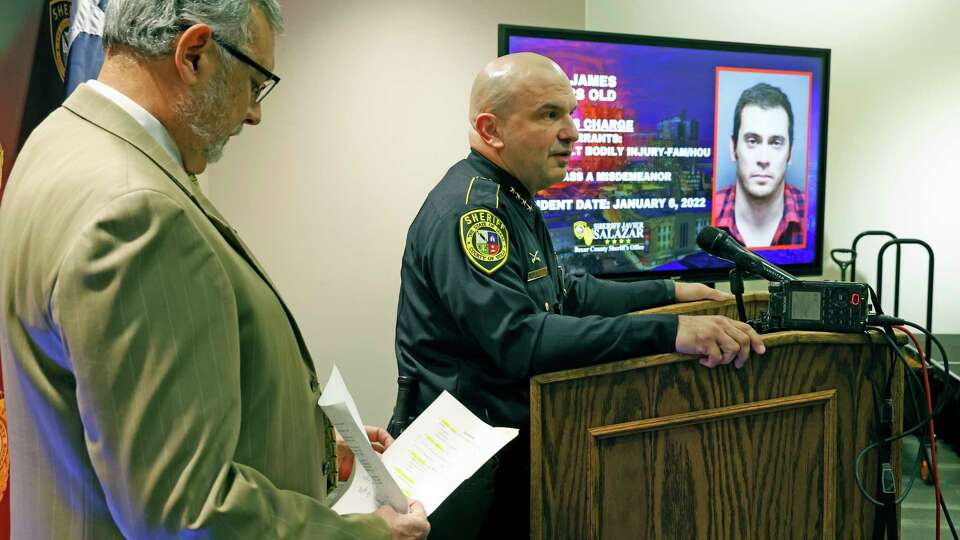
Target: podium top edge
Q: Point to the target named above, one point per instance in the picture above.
(772, 341)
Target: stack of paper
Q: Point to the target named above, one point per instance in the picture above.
(443, 447)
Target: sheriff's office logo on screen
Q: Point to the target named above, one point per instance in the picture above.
(602, 237)
(583, 232)
(59, 30)
(484, 240)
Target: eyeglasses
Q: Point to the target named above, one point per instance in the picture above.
(268, 85)
(265, 88)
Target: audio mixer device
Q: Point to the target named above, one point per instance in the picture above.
(831, 306)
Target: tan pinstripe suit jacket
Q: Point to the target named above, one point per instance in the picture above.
(156, 383)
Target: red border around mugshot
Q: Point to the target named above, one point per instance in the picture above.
(806, 167)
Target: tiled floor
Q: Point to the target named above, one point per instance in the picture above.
(917, 518)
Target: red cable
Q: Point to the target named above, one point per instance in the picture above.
(933, 444)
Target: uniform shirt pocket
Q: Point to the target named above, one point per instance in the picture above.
(540, 288)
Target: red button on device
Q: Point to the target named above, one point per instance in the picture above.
(855, 299)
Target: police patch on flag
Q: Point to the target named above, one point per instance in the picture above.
(484, 239)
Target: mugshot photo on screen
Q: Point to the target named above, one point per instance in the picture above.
(760, 188)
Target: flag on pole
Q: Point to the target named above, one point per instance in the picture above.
(84, 42)
(34, 39)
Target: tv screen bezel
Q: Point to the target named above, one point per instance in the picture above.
(506, 31)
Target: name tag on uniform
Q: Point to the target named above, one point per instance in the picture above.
(534, 275)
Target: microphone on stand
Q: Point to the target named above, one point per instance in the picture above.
(720, 244)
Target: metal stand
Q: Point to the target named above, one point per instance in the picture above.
(844, 264)
(896, 302)
(896, 279)
(736, 287)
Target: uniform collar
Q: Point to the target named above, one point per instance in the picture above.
(508, 183)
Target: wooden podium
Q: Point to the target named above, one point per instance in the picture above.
(661, 447)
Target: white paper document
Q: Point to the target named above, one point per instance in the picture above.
(370, 486)
(443, 447)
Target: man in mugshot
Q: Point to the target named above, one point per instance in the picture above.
(761, 209)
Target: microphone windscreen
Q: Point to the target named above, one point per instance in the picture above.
(707, 237)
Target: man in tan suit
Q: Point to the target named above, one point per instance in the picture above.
(157, 384)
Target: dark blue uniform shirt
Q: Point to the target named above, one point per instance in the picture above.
(484, 304)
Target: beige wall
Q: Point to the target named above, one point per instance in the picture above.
(370, 113)
(372, 107)
(894, 124)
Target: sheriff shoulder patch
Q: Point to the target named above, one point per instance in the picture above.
(484, 239)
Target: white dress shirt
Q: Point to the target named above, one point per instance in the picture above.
(144, 118)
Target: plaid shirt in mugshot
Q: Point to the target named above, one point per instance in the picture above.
(790, 229)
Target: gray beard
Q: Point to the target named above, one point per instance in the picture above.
(202, 114)
(214, 151)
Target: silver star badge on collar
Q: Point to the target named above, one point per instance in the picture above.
(521, 199)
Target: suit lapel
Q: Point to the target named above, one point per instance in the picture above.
(95, 108)
(229, 233)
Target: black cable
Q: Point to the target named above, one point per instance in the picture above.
(946, 514)
(887, 321)
(922, 423)
(941, 403)
(863, 489)
(875, 299)
(917, 389)
(859, 459)
(943, 503)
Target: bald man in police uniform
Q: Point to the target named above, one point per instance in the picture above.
(484, 304)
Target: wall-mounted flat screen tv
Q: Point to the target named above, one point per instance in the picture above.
(679, 134)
